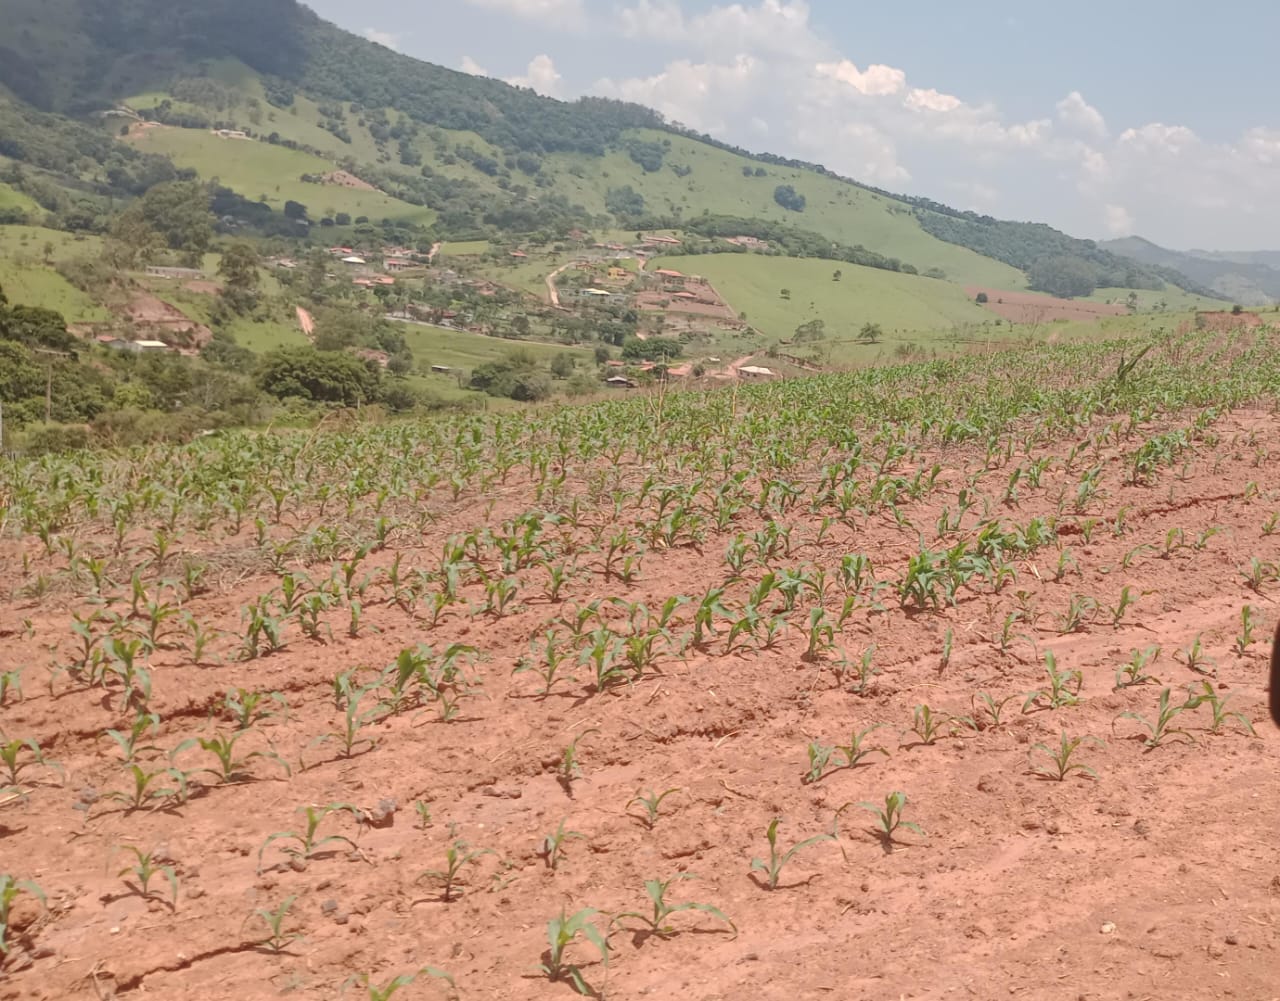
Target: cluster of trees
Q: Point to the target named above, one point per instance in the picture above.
(48, 376)
(783, 239)
(1053, 261)
(790, 199)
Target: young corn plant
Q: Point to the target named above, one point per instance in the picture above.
(1218, 706)
(570, 768)
(994, 709)
(456, 858)
(650, 802)
(927, 724)
(10, 888)
(1062, 758)
(20, 756)
(1196, 659)
(232, 767)
(773, 866)
(819, 757)
(247, 708)
(148, 792)
(133, 741)
(1064, 687)
(309, 844)
(1134, 672)
(1244, 639)
(562, 932)
(888, 818)
(277, 939)
(553, 845)
(1161, 728)
(658, 922)
(545, 664)
(386, 991)
(144, 869)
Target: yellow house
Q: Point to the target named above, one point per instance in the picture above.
(618, 274)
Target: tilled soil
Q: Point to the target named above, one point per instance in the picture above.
(1155, 874)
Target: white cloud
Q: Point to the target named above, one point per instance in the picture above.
(756, 72)
(469, 65)
(387, 38)
(553, 11)
(1118, 220)
(1074, 112)
(877, 80)
(541, 75)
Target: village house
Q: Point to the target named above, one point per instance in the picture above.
(397, 264)
(158, 271)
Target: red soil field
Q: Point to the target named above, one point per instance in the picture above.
(1158, 876)
(1033, 307)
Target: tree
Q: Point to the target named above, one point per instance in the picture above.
(870, 333)
(295, 211)
(787, 196)
(814, 330)
(837, 275)
(602, 354)
(322, 376)
(178, 213)
(239, 272)
(651, 349)
(562, 365)
(981, 298)
(785, 293)
(1063, 276)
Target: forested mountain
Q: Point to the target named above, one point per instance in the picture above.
(538, 168)
(1249, 278)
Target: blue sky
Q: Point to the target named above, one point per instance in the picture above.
(1103, 119)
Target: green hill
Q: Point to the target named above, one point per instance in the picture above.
(484, 158)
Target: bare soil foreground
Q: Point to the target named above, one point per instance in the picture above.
(1033, 307)
(498, 636)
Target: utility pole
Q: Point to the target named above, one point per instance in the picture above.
(48, 384)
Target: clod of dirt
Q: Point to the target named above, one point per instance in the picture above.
(382, 815)
(502, 792)
(85, 798)
(1231, 940)
(1108, 928)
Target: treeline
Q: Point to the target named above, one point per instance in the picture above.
(1053, 261)
(787, 241)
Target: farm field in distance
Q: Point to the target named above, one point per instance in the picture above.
(285, 709)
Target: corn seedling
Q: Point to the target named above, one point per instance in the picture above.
(1161, 728)
(819, 756)
(10, 682)
(552, 848)
(650, 801)
(21, 755)
(423, 810)
(1134, 672)
(147, 790)
(145, 868)
(1060, 758)
(927, 724)
(351, 736)
(10, 888)
(308, 844)
(386, 991)
(888, 819)
(562, 931)
(277, 938)
(1244, 639)
(657, 923)
(248, 708)
(1218, 706)
(1258, 573)
(773, 866)
(1195, 658)
(547, 667)
(854, 751)
(144, 726)
(570, 768)
(1080, 609)
(456, 857)
(231, 766)
(993, 706)
(1064, 687)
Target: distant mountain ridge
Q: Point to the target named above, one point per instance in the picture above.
(1251, 278)
(73, 58)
